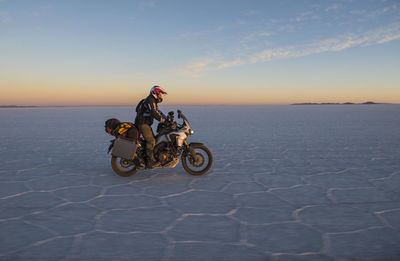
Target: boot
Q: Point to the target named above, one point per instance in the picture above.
(151, 161)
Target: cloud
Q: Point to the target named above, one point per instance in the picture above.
(389, 38)
(371, 15)
(287, 28)
(236, 62)
(368, 38)
(204, 32)
(306, 16)
(379, 12)
(36, 14)
(41, 11)
(147, 4)
(372, 37)
(358, 12)
(5, 17)
(256, 36)
(333, 7)
(251, 12)
(195, 69)
(270, 54)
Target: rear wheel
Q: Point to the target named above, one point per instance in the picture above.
(123, 167)
(199, 164)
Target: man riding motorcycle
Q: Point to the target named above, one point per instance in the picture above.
(146, 111)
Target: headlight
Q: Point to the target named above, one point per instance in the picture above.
(191, 132)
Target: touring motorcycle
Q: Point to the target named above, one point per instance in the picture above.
(129, 155)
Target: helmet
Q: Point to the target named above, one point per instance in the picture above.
(155, 91)
(111, 125)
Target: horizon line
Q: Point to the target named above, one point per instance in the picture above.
(199, 104)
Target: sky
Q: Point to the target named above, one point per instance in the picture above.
(102, 52)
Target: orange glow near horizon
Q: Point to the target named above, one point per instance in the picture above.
(126, 95)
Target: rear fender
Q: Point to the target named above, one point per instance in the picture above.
(111, 146)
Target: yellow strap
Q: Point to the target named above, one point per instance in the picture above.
(123, 128)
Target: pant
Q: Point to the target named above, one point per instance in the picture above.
(148, 135)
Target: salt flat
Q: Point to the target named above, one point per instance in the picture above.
(288, 183)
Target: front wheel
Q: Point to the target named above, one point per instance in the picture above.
(123, 167)
(199, 164)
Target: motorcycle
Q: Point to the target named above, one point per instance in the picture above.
(129, 156)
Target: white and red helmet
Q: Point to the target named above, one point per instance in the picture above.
(156, 90)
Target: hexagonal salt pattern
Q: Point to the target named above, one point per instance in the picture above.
(287, 183)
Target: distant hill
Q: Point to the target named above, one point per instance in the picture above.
(16, 106)
(332, 103)
(26, 106)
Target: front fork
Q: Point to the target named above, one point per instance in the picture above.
(191, 154)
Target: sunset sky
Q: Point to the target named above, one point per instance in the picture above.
(101, 52)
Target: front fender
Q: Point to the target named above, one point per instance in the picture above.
(196, 143)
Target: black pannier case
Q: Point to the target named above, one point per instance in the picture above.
(124, 148)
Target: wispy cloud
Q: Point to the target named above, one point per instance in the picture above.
(256, 36)
(371, 15)
(228, 64)
(147, 4)
(195, 69)
(306, 16)
(5, 17)
(333, 7)
(358, 12)
(250, 12)
(41, 11)
(368, 38)
(204, 32)
(382, 11)
(290, 28)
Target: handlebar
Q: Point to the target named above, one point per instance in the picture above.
(170, 122)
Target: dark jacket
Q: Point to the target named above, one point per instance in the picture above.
(147, 110)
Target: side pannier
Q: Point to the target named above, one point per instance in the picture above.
(124, 148)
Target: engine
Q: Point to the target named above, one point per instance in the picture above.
(165, 154)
